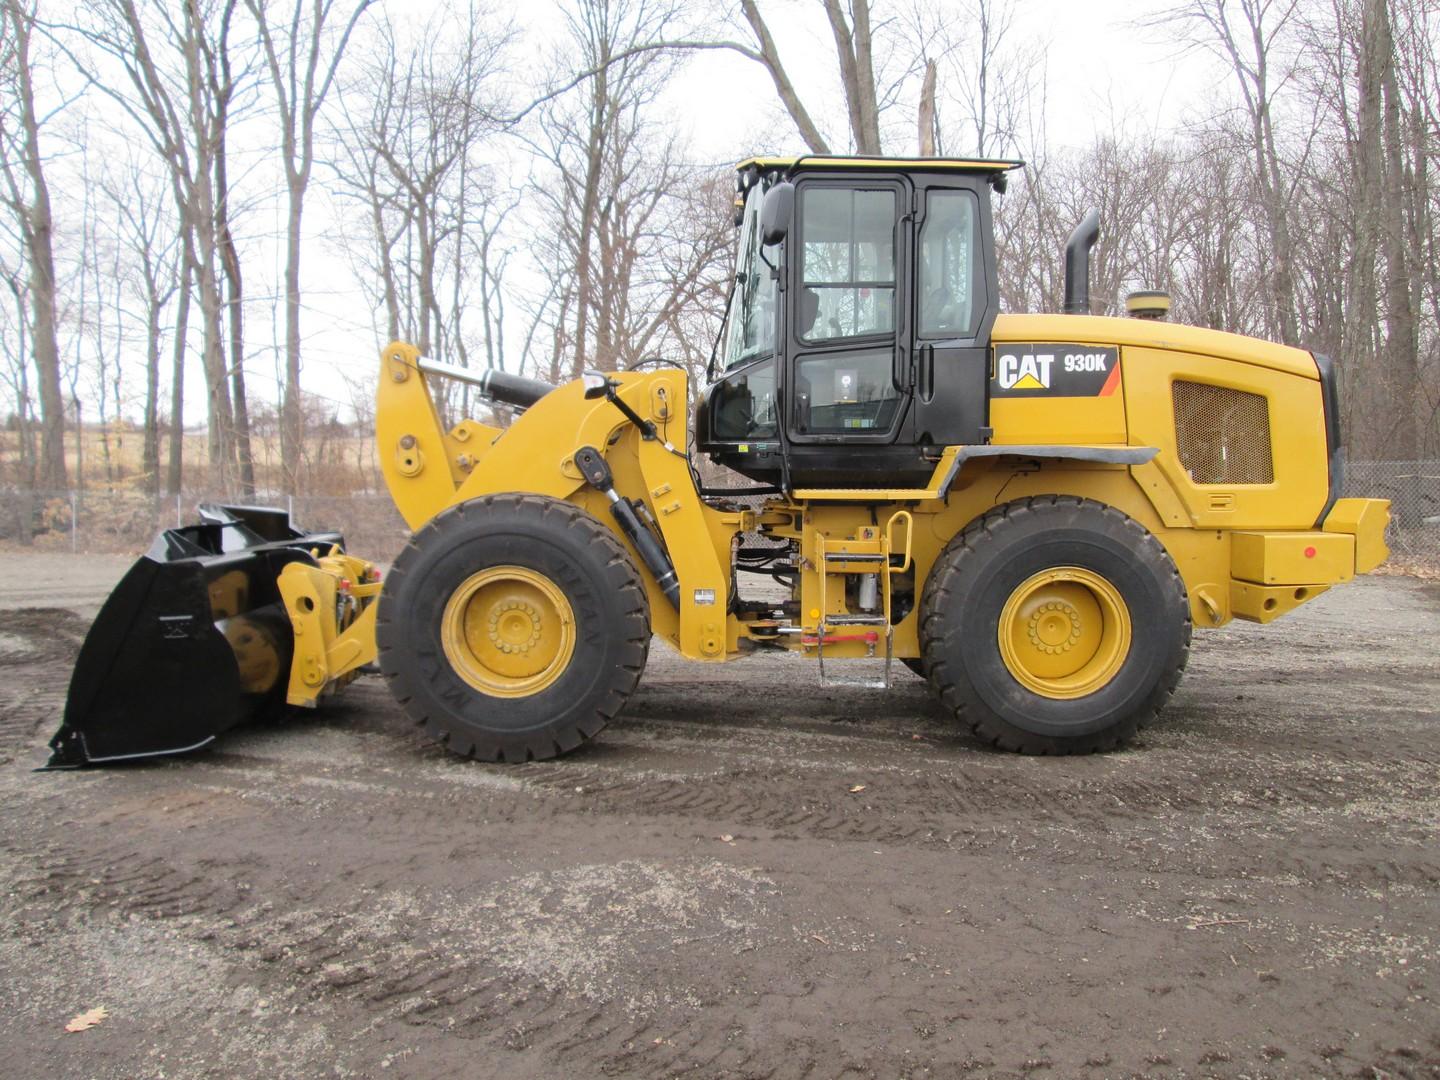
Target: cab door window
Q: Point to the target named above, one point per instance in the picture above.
(847, 263)
(844, 312)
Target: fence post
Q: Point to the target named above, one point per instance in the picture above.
(74, 525)
(290, 507)
(178, 522)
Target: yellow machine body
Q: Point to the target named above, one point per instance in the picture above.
(1032, 511)
(1252, 551)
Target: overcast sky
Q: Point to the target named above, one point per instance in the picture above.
(1096, 65)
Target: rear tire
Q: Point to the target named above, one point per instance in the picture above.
(1055, 625)
(513, 627)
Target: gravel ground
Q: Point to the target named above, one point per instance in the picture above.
(750, 875)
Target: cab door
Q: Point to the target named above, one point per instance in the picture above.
(848, 310)
(954, 310)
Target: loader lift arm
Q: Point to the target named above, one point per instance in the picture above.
(428, 469)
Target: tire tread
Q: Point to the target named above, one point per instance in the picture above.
(956, 560)
(624, 580)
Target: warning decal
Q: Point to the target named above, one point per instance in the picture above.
(1048, 369)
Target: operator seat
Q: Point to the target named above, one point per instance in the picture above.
(807, 311)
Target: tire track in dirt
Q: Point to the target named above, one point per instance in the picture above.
(36, 646)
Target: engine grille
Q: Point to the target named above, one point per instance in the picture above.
(1223, 435)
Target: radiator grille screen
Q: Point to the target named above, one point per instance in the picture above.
(1223, 435)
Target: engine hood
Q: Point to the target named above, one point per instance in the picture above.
(1150, 334)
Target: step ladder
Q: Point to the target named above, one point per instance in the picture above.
(872, 551)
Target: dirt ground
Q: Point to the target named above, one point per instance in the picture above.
(749, 876)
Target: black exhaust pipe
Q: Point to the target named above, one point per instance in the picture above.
(1077, 264)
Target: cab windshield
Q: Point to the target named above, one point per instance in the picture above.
(751, 333)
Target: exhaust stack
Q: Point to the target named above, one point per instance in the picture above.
(1077, 264)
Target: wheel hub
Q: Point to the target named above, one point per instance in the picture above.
(515, 626)
(1055, 628)
(508, 631)
(1064, 632)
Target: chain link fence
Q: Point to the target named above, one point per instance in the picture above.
(125, 522)
(1413, 488)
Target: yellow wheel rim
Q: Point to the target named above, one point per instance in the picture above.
(508, 631)
(1064, 632)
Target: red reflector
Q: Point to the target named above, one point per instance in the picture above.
(1309, 553)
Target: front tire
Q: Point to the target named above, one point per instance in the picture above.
(1055, 625)
(513, 627)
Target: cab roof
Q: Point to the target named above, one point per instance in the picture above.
(907, 164)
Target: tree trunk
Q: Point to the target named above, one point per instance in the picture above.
(43, 337)
(594, 161)
(1358, 330)
(38, 235)
(150, 437)
(234, 288)
(926, 140)
(850, 75)
(175, 471)
(784, 88)
(291, 433)
(1402, 343)
(220, 444)
(865, 72)
(387, 264)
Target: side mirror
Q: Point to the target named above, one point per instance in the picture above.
(595, 384)
(777, 212)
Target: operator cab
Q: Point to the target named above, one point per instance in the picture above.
(856, 344)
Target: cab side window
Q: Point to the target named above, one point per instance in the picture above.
(950, 282)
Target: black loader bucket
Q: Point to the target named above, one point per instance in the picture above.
(194, 640)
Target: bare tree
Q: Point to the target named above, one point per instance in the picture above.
(154, 254)
(418, 161)
(15, 346)
(175, 458)
(1254, 49)
(302, 63)
(223, 85)
(989, 74)
(873, 61)
(27, 195)
(163, 55)
(636, 243)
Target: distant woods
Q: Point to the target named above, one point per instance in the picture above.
(185, 186)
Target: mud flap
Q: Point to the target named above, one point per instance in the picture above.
(193, 641)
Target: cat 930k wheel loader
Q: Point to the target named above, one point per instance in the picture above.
(1031, 511)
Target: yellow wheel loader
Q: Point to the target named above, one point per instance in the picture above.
(1031, 511)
